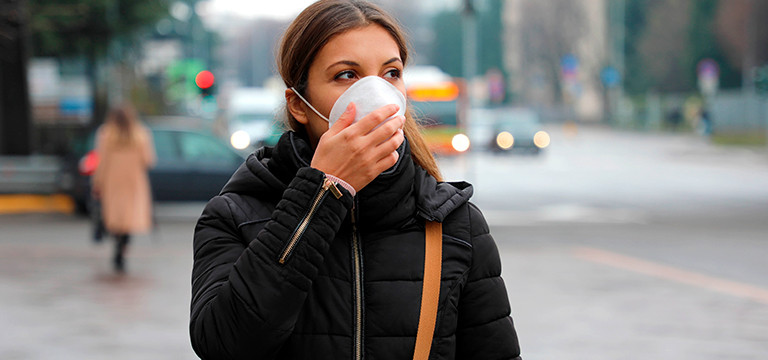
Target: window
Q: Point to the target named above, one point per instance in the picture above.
(165, 147)
(198, 147)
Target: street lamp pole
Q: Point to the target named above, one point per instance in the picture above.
(469, 65)
(619, 51)
(470, 50)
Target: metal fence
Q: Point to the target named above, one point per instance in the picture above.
(30, 174)
(739, 112)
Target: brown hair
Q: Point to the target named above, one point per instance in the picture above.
(121, 127)
(314, 27)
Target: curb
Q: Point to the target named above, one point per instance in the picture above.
(31, 203)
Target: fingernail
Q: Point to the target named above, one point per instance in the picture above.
(349, 107)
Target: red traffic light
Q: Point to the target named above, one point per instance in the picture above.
(204, 79)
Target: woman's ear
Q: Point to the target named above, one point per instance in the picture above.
(296, 107)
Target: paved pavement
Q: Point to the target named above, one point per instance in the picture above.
(571, 298)
(682, 290)
(60, 300)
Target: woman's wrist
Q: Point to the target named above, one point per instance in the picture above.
(341, 182)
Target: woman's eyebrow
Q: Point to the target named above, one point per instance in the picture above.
(355, 64)
(392, 60)
(344, 62)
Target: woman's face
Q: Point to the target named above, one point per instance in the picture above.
(346, 58)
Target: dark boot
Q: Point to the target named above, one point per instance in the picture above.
(121, 242)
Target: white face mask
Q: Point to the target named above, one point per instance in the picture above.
(368, 94)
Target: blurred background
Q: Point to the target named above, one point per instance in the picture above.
(618, 149)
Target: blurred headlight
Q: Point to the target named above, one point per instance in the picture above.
(240, 139)
(505, 140)
(541, 139)
(460, 142)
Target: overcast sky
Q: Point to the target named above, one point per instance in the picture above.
(276, 9)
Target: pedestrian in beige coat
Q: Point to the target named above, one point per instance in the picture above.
(126, 152)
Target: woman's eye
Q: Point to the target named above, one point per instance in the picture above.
(345, 75)
(394, 73)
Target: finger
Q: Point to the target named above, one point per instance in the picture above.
(376, 117)
(389, 145)
(386, 130)
(346, 119)
(386, 162)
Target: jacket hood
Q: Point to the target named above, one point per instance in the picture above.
(438, 199)
(393, 198)
(253, 178)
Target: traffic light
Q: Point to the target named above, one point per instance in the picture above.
(205, 80)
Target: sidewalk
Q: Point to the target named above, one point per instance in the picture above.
(60, 299)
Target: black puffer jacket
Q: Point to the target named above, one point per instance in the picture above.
(349, 286)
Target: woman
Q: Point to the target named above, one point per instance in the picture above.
(126, 152)
(315, 248)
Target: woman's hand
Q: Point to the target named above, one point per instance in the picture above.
(356, 153)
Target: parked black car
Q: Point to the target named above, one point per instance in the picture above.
(192, 165)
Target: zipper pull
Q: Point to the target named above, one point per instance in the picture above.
(330, 185)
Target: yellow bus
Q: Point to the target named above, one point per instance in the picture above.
(435, 96)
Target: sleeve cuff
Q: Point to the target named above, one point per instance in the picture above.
(342, 183)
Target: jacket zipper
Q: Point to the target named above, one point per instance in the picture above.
(327, 185)
(358, 289)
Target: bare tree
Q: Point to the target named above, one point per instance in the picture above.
(548, 31)
(733, 30)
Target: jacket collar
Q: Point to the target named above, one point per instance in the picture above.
(391, 201)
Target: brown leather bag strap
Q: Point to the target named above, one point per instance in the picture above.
(430, 292)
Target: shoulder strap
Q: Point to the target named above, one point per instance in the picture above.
(430, 292)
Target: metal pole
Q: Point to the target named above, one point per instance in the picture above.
(620, 40)
(469, 65)
(748, 63)
(470, 49)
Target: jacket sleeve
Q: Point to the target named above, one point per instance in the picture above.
(485, 329)
(244, 302)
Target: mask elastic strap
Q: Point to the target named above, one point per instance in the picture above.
(308, 104)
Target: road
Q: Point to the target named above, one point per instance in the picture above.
(631, 245)
(614, 246)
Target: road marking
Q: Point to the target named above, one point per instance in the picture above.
(729, 287)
